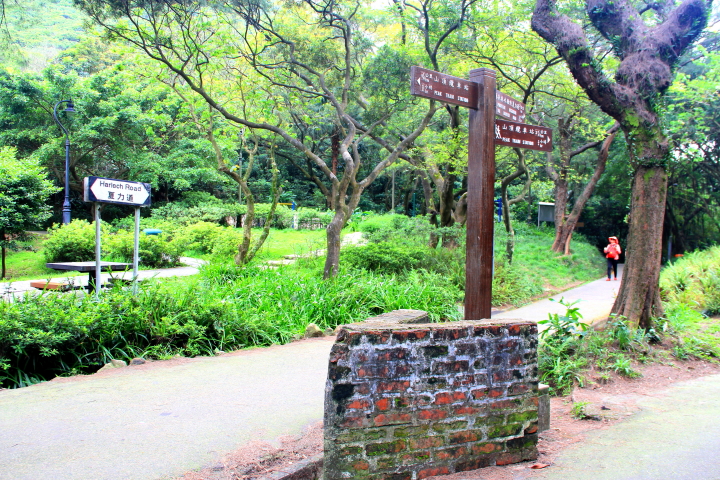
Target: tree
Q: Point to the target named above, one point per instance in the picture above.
(647, 43)
(24, 193)
(308, 57)
(561, 172)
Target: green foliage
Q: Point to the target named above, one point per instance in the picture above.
(224, 308)
(74, 242)
(385, 257)
(155, 251)
(563, 327)
(24, 192)
(694, 280)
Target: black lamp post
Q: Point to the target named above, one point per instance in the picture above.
(66, 203)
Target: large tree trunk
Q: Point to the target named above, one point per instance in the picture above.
(639, 295)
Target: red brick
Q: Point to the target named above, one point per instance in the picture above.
(450, 333)
(393, 354)
(358, 404)
(465, 410)
(400, 386)
(515, 329)
(391, 419)
(338, 352)
(451, 453)
(531, 429)
(464, 437)
(361, 465)
(383, 404)
(426, 442)
(443, 399)
(402, 370)
(432, 471)
(516, 360)
(496, 392)
(353, 422)
(518, 389)
(463, 381)
(502, 404)
(480, 393)
(362, 388)
(409, 335)
(372, 371)
(508, 458)
(484, 448)
(502, 376)
(432, 414)
(451, 367)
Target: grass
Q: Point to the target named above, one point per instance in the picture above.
(533, 254)
(290, 242)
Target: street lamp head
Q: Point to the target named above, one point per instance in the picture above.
(70, 106)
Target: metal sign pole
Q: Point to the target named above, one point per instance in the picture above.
(136, 250)
(481, 192)
(98, 271)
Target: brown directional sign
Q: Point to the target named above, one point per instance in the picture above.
(444, 88)
(509, 108)
(522, 135)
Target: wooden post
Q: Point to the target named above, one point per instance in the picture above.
(481, 192)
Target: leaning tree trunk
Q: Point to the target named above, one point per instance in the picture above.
(639, 295)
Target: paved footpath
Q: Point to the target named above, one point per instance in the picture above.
(161, 419)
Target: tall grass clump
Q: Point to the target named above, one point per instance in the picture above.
(223, 308)
(694, 280)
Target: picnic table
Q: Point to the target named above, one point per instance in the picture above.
(90, 268)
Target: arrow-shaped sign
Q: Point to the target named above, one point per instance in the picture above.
(120, 192)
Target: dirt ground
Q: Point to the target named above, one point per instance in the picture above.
(608, 402)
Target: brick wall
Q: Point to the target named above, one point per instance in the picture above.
(408, 401)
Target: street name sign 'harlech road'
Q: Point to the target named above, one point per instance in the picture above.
(120, 192)
(479, 94)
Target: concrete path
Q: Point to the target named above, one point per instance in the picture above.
(158, 421)
(673, 437)
(595, 300)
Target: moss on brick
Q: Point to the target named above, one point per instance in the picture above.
(386, 448)
(504, 430)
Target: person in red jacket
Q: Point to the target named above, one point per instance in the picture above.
(612, 253)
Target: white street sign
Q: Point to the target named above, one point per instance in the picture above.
(120, 192)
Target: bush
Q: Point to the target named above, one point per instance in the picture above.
(384, 257)
(200, 236)
(74, 242)
(396, 228)
(155, 251)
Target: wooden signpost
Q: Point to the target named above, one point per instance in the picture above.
(485, 102)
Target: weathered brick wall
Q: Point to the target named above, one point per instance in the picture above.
(408, 401)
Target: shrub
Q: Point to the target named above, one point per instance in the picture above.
(200, 236)
(155, 251)
(384, 257)
(74, 242)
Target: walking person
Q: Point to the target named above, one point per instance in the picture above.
(612, 253)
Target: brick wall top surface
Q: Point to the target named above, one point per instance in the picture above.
(384, 328)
